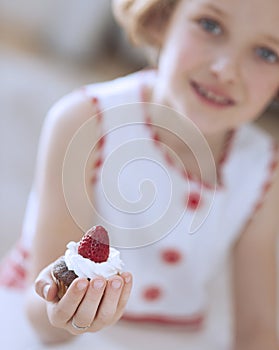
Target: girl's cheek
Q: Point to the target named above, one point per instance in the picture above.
(263, 82)
(192, 53)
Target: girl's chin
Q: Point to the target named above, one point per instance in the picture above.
(209, 132)
(208, 128)
(206, 125)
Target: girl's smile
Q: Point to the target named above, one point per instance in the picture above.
(212, 96)
(216, 67)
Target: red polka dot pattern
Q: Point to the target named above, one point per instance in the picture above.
(193, 201)
(152, 293)
(95, 100)
(98, 163)
(169, 159)
(171, 256)
(100, 142)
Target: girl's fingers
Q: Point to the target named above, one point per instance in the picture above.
(128, 282)
(93, 304)
(62, 311)
(103, 303)
(45, 287)
(107, 309)
(50, 292)
(87, 310)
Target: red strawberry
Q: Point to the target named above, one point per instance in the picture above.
(94, 245)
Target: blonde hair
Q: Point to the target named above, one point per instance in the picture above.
(144, 20)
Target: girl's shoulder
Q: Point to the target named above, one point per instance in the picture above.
(120, 90)
(84, 103)
(76, 116)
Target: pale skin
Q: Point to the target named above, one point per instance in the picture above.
(52, 320)
(227, 55)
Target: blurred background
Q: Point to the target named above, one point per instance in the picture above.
(49, 48)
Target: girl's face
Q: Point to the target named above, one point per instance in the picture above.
(219, 63)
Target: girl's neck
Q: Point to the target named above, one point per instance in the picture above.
(179, 137)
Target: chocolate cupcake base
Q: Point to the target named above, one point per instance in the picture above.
(62, 276)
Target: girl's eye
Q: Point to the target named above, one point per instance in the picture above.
(267, 55)
(211, 26)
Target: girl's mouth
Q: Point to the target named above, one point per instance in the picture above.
(210, 97)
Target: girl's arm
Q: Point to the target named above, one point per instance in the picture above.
(55, 225)
(255, 277)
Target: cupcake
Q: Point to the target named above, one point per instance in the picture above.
(92, 256)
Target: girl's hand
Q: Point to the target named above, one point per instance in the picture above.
(87, 305)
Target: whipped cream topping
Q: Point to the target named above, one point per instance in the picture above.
(84, 267)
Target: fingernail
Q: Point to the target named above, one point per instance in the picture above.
(45, 290)
(116, 284)
(127, 279)
(81, 284)
(99, 284)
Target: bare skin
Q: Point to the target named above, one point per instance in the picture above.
(229, 77)
(98, 303)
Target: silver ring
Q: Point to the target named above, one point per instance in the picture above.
(78, 327)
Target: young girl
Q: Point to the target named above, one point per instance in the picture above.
(209, 183)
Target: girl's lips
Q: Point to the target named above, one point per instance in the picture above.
(212, 96)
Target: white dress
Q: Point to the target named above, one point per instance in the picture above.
(175, 232)
(138, 190)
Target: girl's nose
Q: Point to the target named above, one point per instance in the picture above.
(226, 68)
